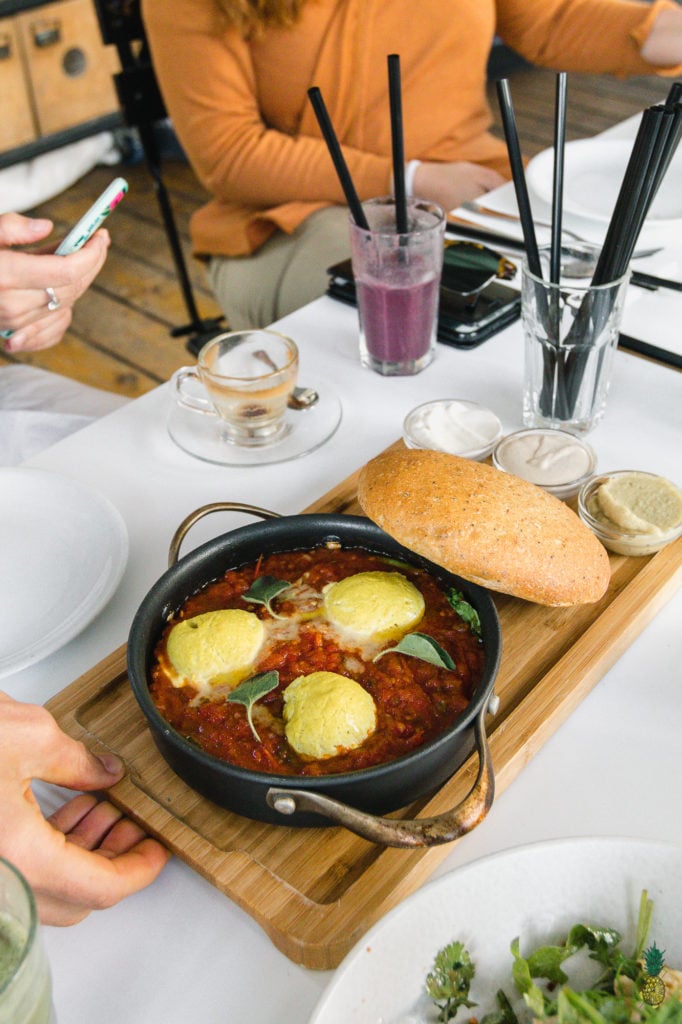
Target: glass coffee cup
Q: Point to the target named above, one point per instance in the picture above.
(246, 378)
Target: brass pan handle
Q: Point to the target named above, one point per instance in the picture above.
(418, 832)
(205, 510)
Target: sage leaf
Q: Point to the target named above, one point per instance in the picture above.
(422, 646)
(251, 690)
(265, 589)
(465, 611)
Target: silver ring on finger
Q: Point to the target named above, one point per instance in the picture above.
(54, 302)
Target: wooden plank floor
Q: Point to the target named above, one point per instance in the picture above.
(120, 337)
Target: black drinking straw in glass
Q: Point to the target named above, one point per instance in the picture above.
(551, 392)
(674, 95)
(327, 129)
(558, 177)
(630, 204)
(397, 141)
(520, 188)
(657, 137)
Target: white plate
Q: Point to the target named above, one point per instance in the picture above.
(63, 549)
(536, 892)
(593, 172)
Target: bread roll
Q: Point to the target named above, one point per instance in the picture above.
(485, 525)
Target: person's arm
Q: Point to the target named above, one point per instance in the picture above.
(621, 37)
(86, 855)
(24, 278)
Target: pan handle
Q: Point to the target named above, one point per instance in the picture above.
(445, 828)
(205, 510)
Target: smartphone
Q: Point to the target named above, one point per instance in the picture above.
(94, 218)
(463, 321)
(89, 222)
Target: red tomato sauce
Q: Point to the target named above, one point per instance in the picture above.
(415, 701)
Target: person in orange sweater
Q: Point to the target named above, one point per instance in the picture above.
(235, 73)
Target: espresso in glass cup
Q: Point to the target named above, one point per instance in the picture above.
(247, 378)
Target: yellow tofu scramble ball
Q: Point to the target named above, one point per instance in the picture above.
(374, 605)
(214, 648)
(326, 713)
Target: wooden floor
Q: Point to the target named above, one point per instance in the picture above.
(120, 337)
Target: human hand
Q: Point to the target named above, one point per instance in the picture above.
(24, 278)
(454, 183)
(85, 856)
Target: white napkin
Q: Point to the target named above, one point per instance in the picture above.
(38, 408)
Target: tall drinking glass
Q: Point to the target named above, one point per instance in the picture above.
(397, 280)
(25, 985)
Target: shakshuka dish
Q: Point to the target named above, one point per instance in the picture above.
(317, 662)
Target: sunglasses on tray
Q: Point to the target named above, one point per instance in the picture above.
(468, 267)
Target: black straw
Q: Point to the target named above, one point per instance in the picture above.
(327, 129)
(397, 143)
(655, 144)
(674, 95)
(552, 398)
(558, 178)
(620, 237)
(521, 189)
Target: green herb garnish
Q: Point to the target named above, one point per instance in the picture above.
(466, 611)
(251, 690)
(450, 979)
(422, 646)
(265, 589)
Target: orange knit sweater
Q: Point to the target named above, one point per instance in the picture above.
(241, 111)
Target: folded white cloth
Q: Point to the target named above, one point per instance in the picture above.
(38, 408)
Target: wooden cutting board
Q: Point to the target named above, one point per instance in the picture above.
(317, 891)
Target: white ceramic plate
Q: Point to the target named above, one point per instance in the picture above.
(63, 549)
(536, 892)
(593, 172)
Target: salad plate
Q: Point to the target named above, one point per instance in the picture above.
(63, 549)
(593, 172)
(537, 892)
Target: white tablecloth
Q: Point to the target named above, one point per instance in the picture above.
(180, 950)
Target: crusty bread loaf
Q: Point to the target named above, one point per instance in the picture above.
(485, 525)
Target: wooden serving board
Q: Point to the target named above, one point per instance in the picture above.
(317, 891)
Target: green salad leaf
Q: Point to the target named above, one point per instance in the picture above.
(265, 589)
(539, 978)
(422, 646)
(251, 690)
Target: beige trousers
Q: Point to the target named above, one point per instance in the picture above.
(284, 274)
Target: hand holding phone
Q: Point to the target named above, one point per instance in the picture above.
(89, 223)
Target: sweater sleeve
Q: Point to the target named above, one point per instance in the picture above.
(594, 36)
(207, 80)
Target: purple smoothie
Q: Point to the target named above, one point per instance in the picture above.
(398, 322)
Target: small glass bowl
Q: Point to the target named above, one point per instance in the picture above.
(612, 536)
(418, 433)
(563, 489)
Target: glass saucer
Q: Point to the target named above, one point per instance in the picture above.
(201, 434)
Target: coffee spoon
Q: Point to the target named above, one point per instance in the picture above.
(301, 397)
